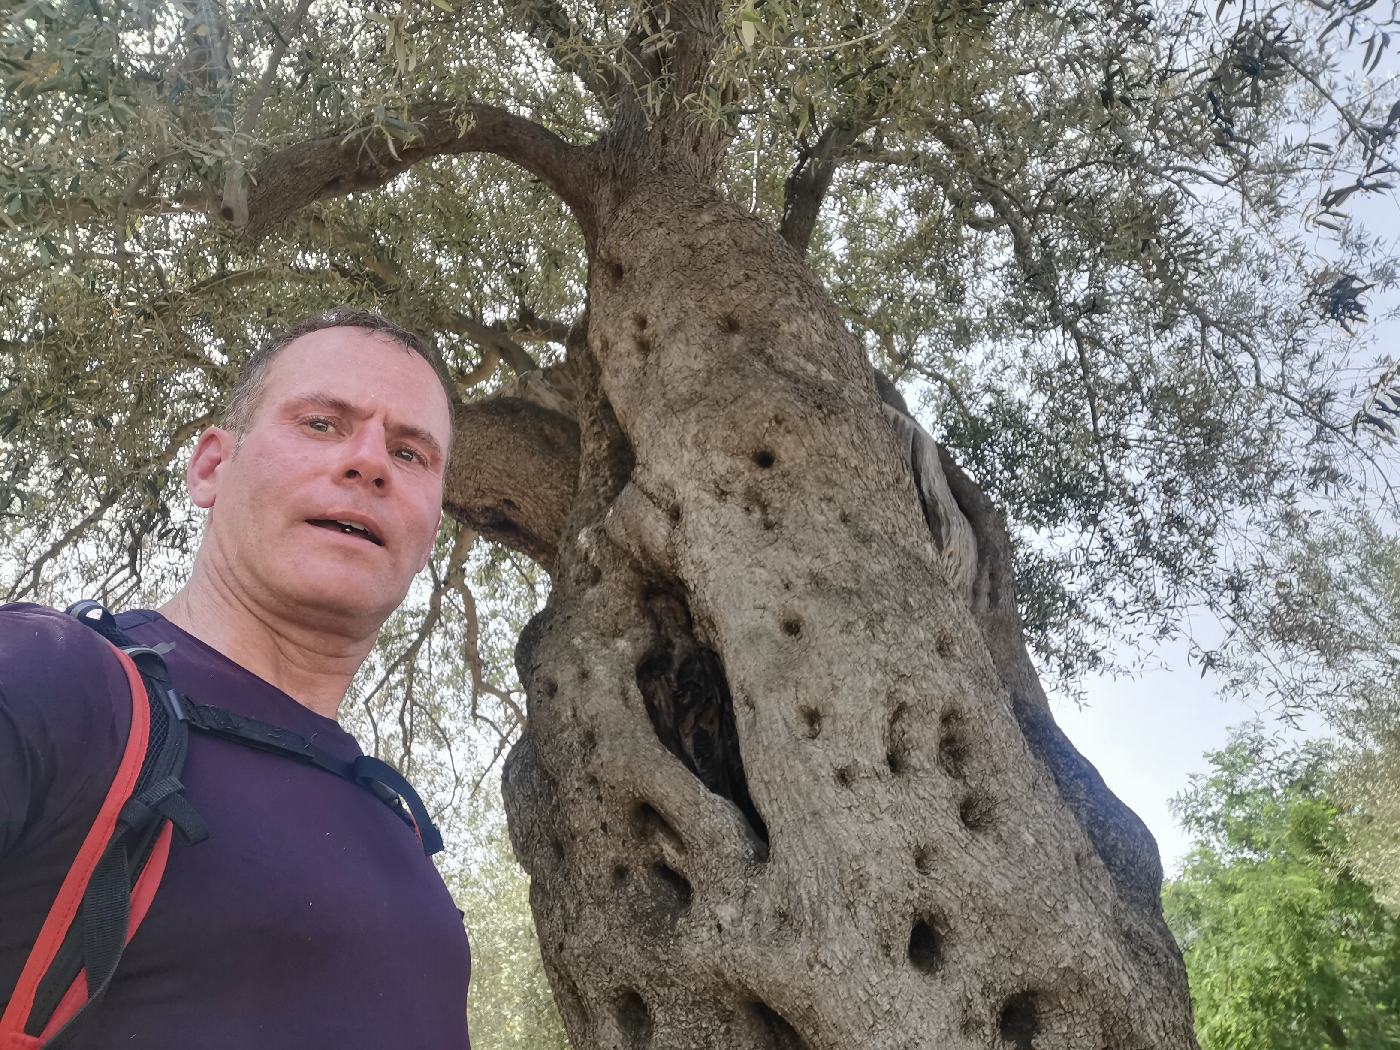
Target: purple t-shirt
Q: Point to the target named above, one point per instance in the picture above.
(310, 918)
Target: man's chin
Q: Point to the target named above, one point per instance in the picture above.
(344, 602)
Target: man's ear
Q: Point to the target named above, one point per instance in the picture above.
(214, 448)
(427, 554)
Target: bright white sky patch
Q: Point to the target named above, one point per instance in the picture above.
(1147, 734)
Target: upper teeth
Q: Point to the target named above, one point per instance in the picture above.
(350, 526)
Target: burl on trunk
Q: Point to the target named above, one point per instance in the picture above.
(789, 779)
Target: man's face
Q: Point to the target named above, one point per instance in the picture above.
(327, 506)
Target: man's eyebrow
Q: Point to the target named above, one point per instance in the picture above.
(341, 407)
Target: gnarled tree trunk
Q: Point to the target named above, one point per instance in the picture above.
(783, 785)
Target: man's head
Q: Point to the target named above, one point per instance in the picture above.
(324, 484)
(248, 387)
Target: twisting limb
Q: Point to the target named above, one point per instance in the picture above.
(341, 162)
(527, 328)
(253, 111)
(456, 580)
(235, 198)
(484, 370)
(492, 338)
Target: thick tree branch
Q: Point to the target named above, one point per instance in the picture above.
(807, 185)
(513, 474)
(235, 197)
(527, 328)
(337, 164)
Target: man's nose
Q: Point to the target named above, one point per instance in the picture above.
(367, 457)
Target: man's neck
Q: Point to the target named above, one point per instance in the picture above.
(313, 667)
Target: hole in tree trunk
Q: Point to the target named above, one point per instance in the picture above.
(780, 1035)
(812, 718)
(763, 458)
(634, 1019)
(648, 823)
(953, 745)
(1020, 1021)
(687, 698)
(675, 888)
(926, 947)
(977, 811)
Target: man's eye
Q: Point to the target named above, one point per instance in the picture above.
(409, 455)
(321, 426)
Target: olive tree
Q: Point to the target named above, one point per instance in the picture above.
(784, 774)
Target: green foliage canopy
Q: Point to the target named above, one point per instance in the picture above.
(1109, 241)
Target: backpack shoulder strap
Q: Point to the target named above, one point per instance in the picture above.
(379, 778)
(108, 889)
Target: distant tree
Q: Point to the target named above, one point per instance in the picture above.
(1331, 629)
(1285, 947)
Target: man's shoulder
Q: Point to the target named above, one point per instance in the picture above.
(35, 638)
(64, 713)
(53, 667)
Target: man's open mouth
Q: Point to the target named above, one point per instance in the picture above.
(349, 528)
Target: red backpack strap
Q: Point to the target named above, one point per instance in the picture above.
(59, 922)
(78, 993)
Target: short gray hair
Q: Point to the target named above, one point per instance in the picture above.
(248, 387)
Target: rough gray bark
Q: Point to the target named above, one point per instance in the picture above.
(781, 785)
(512, 473)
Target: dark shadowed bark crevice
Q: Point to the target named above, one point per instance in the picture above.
(687, 697)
